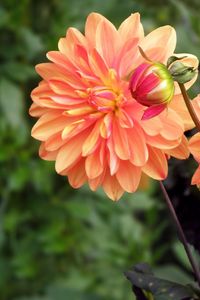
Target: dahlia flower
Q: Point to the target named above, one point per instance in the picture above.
(90, 124)
(153, 86)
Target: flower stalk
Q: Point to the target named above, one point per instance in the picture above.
(181, 233)
(189, 106)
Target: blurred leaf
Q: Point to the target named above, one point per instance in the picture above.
(11, 103)
(3, 17)
(19, 72)
(63, 293)
(142, 277)
(181, 255)
(173, 272)
(32, 42)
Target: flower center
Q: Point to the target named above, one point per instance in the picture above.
(107, 97)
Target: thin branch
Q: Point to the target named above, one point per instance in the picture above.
(189, 106)
(181, 233)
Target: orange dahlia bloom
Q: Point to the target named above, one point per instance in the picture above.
(89, 124)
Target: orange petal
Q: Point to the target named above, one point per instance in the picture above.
(113, 160)
(37, 111)
(162, 143)
(91, 25)
(93, 165)
(61, 87)
(128, 176)
(165, 38)
(112, 187)
(47, 155)
(194, 146)
(120, 140)
(125, 120)
(70, 153)
(98, 65)
(138, 148)
(107, 41)
(196, 177)
(172, 126)
(92, 141)
(181, 151)
(152, 126)
(75, 128)
(48, 125)
(49, 70)
(126, 57)
(54, 142)
(156, 166)
(178, 105)
(96, 182)
(74, 36)
(80, 111)
(77, 176)
(61, 60)
(131, 28)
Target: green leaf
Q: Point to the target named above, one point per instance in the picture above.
(142, 277)
(33, 43)
(11, 103)
(19, 72)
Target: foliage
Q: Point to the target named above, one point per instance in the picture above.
(147, 286)
(56, 243)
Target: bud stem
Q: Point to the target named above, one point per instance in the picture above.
(181, 233)
(189, 106)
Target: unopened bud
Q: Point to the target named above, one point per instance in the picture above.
(152, 85)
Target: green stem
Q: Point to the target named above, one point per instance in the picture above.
(181, 233)
(189, 106)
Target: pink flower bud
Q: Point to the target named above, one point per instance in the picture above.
(152, 85)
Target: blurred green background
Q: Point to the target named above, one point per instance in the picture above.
(57, 243)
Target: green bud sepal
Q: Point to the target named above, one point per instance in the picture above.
(180, 72)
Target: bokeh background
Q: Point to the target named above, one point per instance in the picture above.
(57, 243)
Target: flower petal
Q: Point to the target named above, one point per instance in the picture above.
(165, 38)
(178, 105)
(156, 166)
(48, 125)
(70, 153)
(138, 147)
(92, 141)
(194, 146)
(128, 176)
(107, 41)
(181, 151)
(112, 187)
(131, 28)
(93, 165)
(120, 140)
(77, 175)
(47, 155)
(91, 25)
(196, 177)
